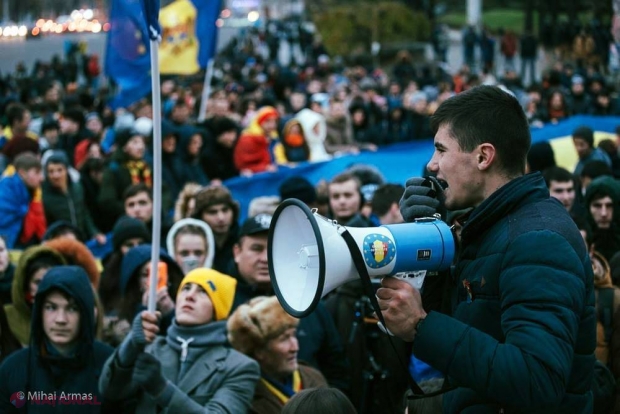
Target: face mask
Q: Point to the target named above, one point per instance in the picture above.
(189, 263)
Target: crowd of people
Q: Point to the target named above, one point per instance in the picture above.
(76, 214)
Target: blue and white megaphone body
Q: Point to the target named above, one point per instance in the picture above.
(308, 257)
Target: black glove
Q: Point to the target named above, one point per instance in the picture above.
(147, 374)
(133, 344)
(423, 197)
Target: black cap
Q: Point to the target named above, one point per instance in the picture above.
(254, 225)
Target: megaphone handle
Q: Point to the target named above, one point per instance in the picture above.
(358, 261)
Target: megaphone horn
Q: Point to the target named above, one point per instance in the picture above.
(308, 258)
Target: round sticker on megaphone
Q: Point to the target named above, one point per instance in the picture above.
(379, 250)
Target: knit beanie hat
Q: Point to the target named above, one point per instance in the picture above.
(220, 288)
(128, 228)
(252, 325)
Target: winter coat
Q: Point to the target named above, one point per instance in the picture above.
(522, 333)
(606, 350)
(265, 402)
(40, 368)
(14, 203)
(68, 207)
(220, 380)
(19, 312)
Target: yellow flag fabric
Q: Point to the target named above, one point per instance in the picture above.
(178, 51)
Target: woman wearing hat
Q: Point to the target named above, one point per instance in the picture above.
(190, 369)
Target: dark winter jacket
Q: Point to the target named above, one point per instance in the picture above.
(68, 207)
(522, 333)
(41, 369)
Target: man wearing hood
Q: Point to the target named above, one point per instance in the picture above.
(61, 366)
(190, 369)
(602, 197)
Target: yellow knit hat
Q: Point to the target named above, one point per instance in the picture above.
(220, 288)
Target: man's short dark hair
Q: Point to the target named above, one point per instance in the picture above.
(344, 177)
(385, 196)
(596, 168)
(15, 113)
(76, 115)
(586, 134)
(558, 174)
(26, 161)
(487, 114)
(135, 189)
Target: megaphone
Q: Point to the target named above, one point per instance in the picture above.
(308, 257)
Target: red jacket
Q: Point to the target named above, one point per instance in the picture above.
(252, 152)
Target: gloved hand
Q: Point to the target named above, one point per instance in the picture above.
(421, 199)
(137, 340)
(147, 374)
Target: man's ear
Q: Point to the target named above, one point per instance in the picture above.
(486, 155)
(236, 251)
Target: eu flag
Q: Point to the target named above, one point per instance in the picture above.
(127, 52)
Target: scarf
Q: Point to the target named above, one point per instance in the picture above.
(191, 341)
(283, 392)
(140, 172)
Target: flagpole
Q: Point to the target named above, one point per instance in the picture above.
(156, 235)
(206, 91)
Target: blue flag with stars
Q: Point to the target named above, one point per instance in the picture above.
(127, 52)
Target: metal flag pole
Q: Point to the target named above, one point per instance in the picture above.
(151, 11)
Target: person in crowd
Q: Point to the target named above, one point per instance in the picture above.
(64, 200)
(138, 203)
(580, 102)
(385, 203)
(495, 315)
(91, 177)
(72, 131)
(127, 167)
(18, 118)
(33, 263)
(216, 207)
(173, 170)
(540, 157)
(293, 146)
(20, 218)
(134, 284)
(300, 188)
(262, 330)
(171, 372)
(346, 200)
(583, 140)
(593, 169)
(339, 138)
(562, 186)
(557, 107)
(192, 244)
(190, 150)
(253, 151)
(217, 155)
(7, 273)
(128, 233)
(186, 201)
(601, 199)
(63, 361)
